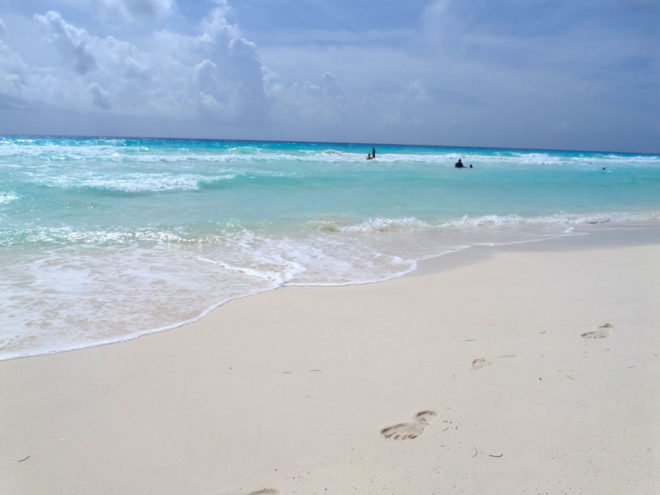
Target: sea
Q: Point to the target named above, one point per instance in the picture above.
(107, 239)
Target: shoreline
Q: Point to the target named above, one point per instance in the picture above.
(533, 366)
(621, 235)
(618, 235)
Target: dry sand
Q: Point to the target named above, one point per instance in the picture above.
(531, 369)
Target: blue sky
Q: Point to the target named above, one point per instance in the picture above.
(511, 73)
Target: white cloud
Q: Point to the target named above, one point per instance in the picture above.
(134, 9)
(216, 24)
(435, 11)
(70, 40)
(121, 60)
(417, 92)
(216, 74)
(222, 70)
(273, 87)
(3, 28)
(204, 76)
(331, 86)
(214, 77)
(100, 96)
(13, 78)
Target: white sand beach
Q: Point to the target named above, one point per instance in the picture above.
(520, 370)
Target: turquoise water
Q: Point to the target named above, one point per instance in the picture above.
(106, 239)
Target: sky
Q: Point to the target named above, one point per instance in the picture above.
(560, 74)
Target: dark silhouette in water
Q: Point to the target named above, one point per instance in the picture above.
(459, 164)
(373, 152)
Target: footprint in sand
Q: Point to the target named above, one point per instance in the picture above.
(263, 491)
(603, 331)
(413, 429)
(480, 363)
(483, 362)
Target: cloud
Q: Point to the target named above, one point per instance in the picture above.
(450, 71)
(100, 96)
(3, 28)
(212, 77)
(416, 92)
(13, 73)
(215, 75)
(122, 61)
(134, 9)
(273, 87)
(222, 70)
(70, 40)
(331, 86)
(216, 23)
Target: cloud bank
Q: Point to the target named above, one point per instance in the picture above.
(552, 74)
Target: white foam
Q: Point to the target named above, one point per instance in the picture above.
(380, 224)
(118, 151)
(8, 197)
(557, 219)
(411, 224)
(134, 182)
(75, 296)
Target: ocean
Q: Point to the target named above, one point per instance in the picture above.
(106, 239)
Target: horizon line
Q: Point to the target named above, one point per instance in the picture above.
(245, 140)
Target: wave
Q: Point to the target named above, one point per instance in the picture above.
(66, 236)
(146, 182)
(410, 224)
(556, 219)
(8, 197)
(143, 182)
(230, 232)
(164, 151)
(377, 224)
(139, 183)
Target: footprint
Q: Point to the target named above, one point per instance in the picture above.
(413, 429)
(603, 331)
(480, 363)
(263, 491)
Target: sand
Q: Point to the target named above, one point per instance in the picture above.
(527, 369)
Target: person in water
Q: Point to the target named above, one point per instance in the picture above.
(369, 157)
(373, 152)
(459, 164)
